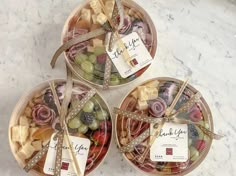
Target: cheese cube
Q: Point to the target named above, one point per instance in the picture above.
(90, 49)
(96, 6)
(142, 105)
(37, 145)
(152, 93)
(135, 94)
(19, 133)
(152, 84)
(142, 93)
(101, 18)
(86, 15)
(26, 151)
(24, 121)
(94, 19)
(109, 6)
(97, 42)
(31, 131)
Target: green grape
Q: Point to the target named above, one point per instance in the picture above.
(74, 123)
(194, 154)
(200, 133)
(92, 58)
(87, 66)
(88, 107)
(102, 115)
(88, 76)
(79, 58)
(99, 50)
(94, 125)
(114, 80)
(83, 129)
(190, 141)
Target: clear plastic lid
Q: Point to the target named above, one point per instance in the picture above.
(35, 119)
(87, 59)
(128, 129)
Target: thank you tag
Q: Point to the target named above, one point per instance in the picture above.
(138, 56)
(81, 149)
(171, 145)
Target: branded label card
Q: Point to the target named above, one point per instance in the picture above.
(138, 56)
(171, 145)
(81, 149)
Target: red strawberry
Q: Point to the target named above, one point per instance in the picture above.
(200, 145)
(100, 138)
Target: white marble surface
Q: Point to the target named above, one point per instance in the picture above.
(195, 37)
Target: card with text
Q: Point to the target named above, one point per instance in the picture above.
(138, 55)
(171, 145)
(81, 149)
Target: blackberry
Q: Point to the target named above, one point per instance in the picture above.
(48, 99)
(86, 118)
(192, 132)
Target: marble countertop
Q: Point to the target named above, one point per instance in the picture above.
(195, 37)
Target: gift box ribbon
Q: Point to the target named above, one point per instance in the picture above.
(159, 122)
(63, 117)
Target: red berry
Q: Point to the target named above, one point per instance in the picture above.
(100, 138)
(101, 59)
(200, 145)
(105, 125)
(97, 152)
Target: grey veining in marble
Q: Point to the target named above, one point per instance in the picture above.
(195, 37)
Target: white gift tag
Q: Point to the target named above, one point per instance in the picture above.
(81, 148)
(171, 145)
(138, 54)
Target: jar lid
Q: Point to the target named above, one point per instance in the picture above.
(87, 60)
(35, 119)
(161, 92)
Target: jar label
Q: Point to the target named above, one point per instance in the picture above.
(171, 145)
(129, 54)
(81, 150)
